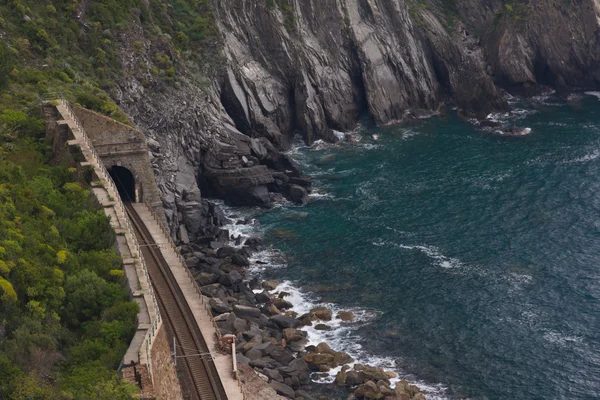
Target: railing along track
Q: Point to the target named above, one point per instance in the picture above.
(191, 346)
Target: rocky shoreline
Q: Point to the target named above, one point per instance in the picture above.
(272, 343)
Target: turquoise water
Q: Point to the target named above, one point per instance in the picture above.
(480, 253)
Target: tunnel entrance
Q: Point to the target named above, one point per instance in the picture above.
(125, 182)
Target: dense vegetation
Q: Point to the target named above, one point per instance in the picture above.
(75, 47)
(65, 317)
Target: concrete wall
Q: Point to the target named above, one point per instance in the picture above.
(147, 363)
(124, 146)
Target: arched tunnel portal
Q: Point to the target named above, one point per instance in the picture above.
(125, 182)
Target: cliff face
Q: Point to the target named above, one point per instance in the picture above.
(310, 66)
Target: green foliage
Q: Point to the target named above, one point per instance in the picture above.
(64, 310)
(6, 65)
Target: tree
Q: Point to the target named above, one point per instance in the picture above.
(6, 65)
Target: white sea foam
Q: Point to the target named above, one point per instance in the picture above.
(342, 337)
(588, 157)
(561, 339)
(430, 251)
(595, 94)
(319, 194)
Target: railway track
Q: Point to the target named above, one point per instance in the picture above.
(198, 369)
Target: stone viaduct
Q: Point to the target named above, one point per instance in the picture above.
(113, 158)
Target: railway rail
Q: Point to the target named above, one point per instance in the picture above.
(195, 362)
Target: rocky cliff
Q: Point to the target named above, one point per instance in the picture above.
(287, 67)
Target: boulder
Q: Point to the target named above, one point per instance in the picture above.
(273, 374)
(270, 285)
(254, 354)
(226, 251)
(293, 335)
(303, 395)
(283, 389)
(323, 313)
(240, 260)
(375, 373)
(206, 278)
(297, 367)
(242, 359)
(324, 349)
(315, 360)
(219, 306)
(322, 327)
(282, 304)
(283, 321)
(368, 391)
(341, 376)
(231, 278)
(346, 316)
(211, 290)
(265, 348)
(298, 346)
(298, 194)
(246, 312)
(354, 378)
(281, 355)
(263, 297)
(341, 358)
(265, 362)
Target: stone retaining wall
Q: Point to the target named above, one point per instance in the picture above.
(147, 362)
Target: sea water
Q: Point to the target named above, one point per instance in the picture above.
(471, 258)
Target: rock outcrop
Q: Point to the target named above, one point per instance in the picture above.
(309, 67)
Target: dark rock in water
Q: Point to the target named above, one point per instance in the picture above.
(322, 327)
(282, 177)
(346, 316)
(283, 321)
(298, 194)
(284, 234)
(304, 181)
(322, 313)
(283, 389)
(486, 123)
(327, 159)
(226, 251)
(253, 243)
